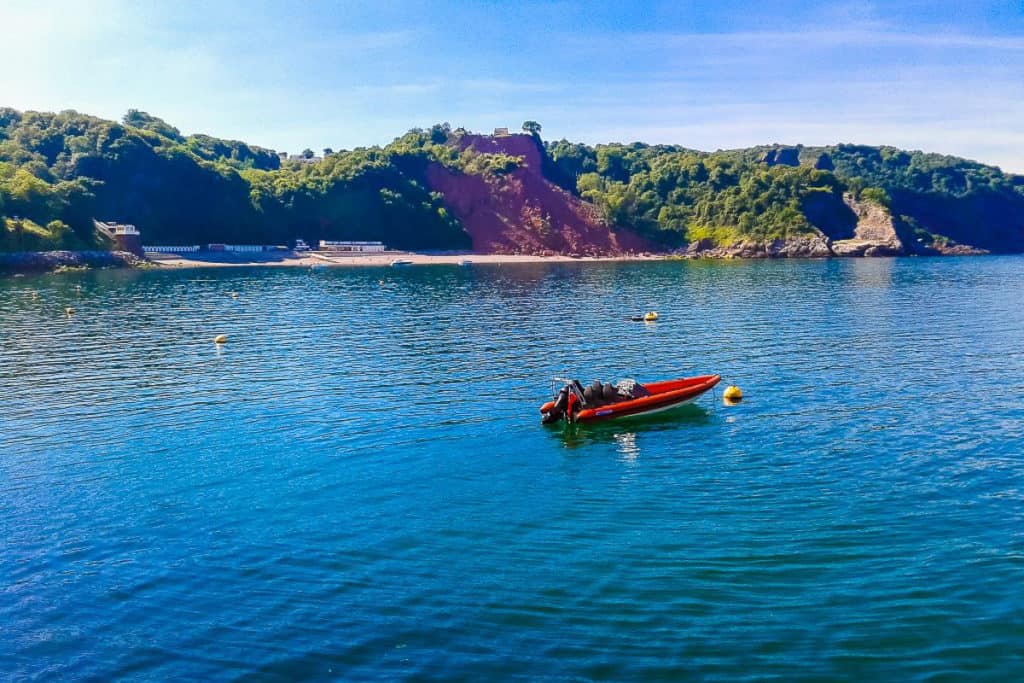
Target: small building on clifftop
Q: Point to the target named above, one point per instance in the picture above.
(125, 236)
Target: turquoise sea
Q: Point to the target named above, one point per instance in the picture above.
(357, 485)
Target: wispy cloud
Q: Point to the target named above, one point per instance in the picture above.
(809, 37)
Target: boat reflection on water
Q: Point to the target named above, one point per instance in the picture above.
(627, 446)
(628, 434)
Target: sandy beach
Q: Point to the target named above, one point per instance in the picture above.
(316, 259)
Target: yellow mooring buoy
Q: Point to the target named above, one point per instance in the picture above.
(220, 339)
(650, 316)
(732, 394)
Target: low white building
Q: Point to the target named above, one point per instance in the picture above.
(164, 249)
(114, 229)
(243, 248)
(351, 246)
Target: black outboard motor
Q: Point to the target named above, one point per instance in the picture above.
(563, 404)
(557, 411)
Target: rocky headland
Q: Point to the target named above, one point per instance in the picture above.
(44, 261)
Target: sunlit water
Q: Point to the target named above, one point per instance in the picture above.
(357, 486)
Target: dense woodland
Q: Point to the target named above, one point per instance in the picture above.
(58, 171)
(771, 192)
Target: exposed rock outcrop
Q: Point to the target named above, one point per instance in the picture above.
(815, 246)
(807, 246)
(27, 261)
(874, 234)
(958, 250)
(524, 213)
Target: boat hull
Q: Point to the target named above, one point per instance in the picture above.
(661, 396)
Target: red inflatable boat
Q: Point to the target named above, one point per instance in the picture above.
(598, 402)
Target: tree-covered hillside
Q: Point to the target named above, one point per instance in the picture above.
(682, 195)
(59, 171)
(773, 192)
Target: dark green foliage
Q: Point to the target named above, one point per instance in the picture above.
(233, 153)
(532, 127)
(58, 171)
(877, 195)
(674, 194)
(569, 160)
(439, 144)
(566, 161)
(140, 119)
(678, 196)
(962, 200)
(69, 168)
(362, 194)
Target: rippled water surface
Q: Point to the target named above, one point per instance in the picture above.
(357, 486)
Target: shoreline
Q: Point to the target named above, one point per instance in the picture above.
(60, 261)
(320, 259)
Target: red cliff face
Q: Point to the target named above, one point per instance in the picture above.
(522, 212)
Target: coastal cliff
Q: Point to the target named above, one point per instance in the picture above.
(868, 230)
(874, 233)
(441, 188)
(522, 212)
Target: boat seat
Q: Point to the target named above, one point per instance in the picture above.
(599, 394)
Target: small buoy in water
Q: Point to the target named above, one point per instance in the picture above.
(220, 339)
(650, 316)
(732, 394)
(234, 295)
(69, 310)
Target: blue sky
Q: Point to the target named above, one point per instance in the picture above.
(934, 75)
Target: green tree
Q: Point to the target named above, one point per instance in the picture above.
(532, 127)
(145, 121)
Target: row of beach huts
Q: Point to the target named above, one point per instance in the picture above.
(128, 238)
(340, 246)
